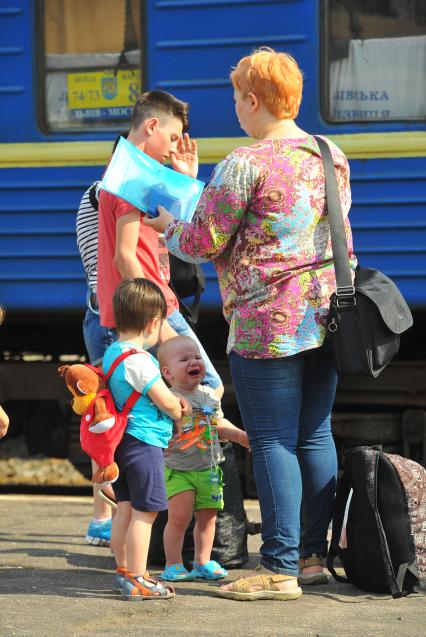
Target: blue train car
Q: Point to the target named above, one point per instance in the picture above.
(71, 70)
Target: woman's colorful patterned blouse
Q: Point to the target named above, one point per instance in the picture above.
(262, 221)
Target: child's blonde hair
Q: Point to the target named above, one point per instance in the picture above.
(274, 77)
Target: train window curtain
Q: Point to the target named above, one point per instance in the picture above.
(382, 78)
(92, 65)
(376, 60)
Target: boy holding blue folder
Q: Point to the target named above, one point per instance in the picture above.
(127, 248)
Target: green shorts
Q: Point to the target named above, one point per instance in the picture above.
(208, 492)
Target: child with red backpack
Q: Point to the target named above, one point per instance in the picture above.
(139, 310)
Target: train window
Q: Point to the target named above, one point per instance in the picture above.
(375, 56)
(90, 62)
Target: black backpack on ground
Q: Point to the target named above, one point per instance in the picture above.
(232, 526)
(379, 522)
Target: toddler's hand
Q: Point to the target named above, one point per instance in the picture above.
(243, 440)
(186, 406)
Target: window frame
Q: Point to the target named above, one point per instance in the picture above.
(40, 79)
(325, 47)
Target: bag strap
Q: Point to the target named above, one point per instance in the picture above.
(93, 195)
(190, 312)
(118, 360)
(130, 402)
(133, 397)
(94, 369)
(344, 286)
(395, 583)
(339, 509)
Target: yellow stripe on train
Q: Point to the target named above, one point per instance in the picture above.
(211, 150)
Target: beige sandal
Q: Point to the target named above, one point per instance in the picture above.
(309, 579)
(267, 580)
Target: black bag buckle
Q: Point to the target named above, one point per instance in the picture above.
(345, 297)
(346, 290)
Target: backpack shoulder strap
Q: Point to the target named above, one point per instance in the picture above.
(118, 360)
(196, 304)
(395, 582)
(190, 313)
(130, 402)
(132, 399)
(93, 195)
(94, 369)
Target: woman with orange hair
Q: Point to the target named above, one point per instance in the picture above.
(263, 222)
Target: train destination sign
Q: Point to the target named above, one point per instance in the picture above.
(102, 93)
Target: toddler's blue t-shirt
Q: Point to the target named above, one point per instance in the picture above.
(138, 371)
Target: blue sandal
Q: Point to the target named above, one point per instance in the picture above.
(212, 570)
(176, 573)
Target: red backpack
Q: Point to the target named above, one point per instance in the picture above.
(101, 440)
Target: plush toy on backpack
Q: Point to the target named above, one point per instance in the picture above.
(87, 386)
(102, 425)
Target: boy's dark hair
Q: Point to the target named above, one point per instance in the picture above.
(123, 133)
(136, 302)
(157, 103)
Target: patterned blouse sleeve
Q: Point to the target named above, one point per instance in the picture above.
(219, 213)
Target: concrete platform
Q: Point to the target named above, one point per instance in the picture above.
(53, 584)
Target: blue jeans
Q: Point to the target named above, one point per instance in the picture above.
(181, 327)
(286, 406)
(96, 338)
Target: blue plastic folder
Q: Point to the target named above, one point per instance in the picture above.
(147, 184)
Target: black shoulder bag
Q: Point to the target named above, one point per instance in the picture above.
(367, 316)
(187, 279)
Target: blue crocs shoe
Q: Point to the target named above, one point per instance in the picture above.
(99, 532)
(176, 573)
(212, 571)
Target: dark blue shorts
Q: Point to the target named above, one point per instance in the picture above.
(141, 479)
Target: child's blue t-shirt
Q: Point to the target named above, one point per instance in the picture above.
(138, 371)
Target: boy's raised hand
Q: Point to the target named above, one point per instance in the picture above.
(185, 160)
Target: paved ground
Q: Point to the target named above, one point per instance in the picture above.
(55, 585)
